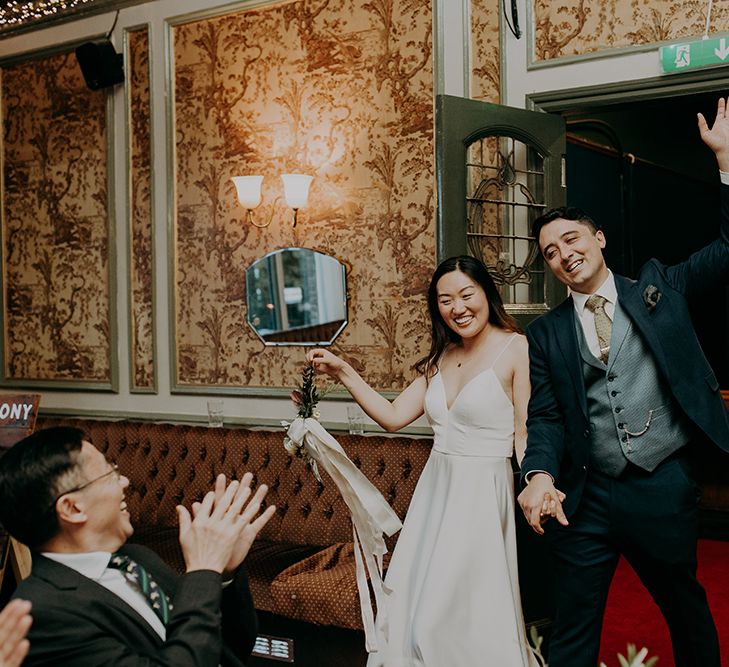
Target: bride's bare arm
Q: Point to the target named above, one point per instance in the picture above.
(391, 416)
(521, 392)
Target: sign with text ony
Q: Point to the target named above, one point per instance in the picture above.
(695, 55)
(17, 417)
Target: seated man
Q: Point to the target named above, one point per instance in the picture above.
(99, 602)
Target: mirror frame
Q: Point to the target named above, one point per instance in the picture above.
(318, 343)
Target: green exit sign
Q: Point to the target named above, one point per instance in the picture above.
(695, 55)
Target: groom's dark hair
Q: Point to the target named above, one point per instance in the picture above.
(566, 213)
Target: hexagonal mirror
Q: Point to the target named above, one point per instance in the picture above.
(296, 296)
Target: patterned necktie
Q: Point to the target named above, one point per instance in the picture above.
(603, 324)
(151, 590)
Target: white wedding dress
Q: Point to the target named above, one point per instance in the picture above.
(454, 599)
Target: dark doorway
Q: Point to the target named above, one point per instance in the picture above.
(642, 172)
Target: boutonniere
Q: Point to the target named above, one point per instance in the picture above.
(651, 297)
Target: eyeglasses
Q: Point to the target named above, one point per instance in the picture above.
(114, 470)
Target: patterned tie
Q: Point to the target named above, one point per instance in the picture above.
(151, 590)
(603, 324)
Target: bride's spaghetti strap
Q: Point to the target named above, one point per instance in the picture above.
(503, 349)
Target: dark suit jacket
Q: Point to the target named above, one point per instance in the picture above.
(78, 623)
(558, 424)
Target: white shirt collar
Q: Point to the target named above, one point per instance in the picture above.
(606, 290)
(90, 565)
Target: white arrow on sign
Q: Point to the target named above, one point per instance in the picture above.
(722, 52)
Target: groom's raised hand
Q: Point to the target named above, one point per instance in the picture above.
(540, 501)
(716, 137)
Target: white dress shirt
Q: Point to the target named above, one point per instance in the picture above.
(94, 566)
(587, 318)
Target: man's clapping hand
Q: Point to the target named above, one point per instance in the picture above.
(220, 530)
(15, 621)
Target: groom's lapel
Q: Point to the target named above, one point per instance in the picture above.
(631, 301)
(566, 336)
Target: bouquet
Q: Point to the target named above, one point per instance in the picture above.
(371, 516)
(305, 397)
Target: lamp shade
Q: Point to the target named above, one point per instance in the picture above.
(249, 190)
(296, 189)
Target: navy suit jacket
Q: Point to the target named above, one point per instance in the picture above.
(79, 623)
(558, 423)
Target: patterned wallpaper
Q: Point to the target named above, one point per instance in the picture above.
(341, 90)
(142, 249)
(55, 228)
(575, 27)
(485, 58)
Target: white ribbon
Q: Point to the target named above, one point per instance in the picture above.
(371, 515)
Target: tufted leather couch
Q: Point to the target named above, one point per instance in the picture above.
(302, 565)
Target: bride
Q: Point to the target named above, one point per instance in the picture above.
(454, 590)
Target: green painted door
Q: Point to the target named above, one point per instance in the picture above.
(498, 168)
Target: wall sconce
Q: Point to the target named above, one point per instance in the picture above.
(296, 193)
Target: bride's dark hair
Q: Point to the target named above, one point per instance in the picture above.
(441, 334)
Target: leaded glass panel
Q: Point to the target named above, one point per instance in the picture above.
(505, 192)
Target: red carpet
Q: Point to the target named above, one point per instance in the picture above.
(632, 616)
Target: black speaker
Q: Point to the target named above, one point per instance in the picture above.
(100, 64)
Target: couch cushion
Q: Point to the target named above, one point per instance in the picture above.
(265, 561)
(321, 589)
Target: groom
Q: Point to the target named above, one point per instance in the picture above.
(620, 387)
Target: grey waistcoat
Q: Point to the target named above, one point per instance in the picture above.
(620, 398)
